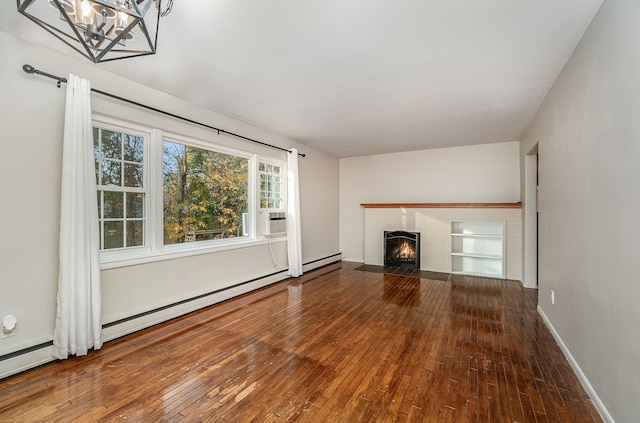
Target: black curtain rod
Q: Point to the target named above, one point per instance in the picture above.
(31, 69)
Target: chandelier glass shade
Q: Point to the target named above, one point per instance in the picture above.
(100, 30)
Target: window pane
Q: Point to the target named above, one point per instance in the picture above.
(132, 175)
(99, 204)
(96, 152)
(205, 194)
(135, 236)
(135, 205)
(271, 186)
(98, 182)
(111, 145)
(133, 148)
(111, 172)
(113, 235)
(113, 205)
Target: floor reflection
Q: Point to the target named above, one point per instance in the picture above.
(401, 291)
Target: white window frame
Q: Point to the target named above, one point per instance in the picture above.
(262, 212)
(154, 248)
(283, 192)
(114, 125)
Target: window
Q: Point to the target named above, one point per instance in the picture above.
(271, 186)
(205, 194)
(121, 188)
(161, 195)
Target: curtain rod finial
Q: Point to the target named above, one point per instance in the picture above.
(299, 154)
(28, 69)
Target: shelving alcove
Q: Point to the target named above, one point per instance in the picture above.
(477, 248)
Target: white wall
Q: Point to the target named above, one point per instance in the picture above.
(486, 173)
(31, 111)
(588, 133)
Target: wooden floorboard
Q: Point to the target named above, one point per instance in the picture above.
(335, 345)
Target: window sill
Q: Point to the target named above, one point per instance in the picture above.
(150, 257)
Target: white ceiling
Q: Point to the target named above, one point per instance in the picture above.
(360, 77)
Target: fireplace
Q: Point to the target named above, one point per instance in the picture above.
(402, 249)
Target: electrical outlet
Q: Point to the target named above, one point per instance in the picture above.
(553, 297)
(8, 326)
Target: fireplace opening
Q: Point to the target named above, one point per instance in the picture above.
(402, 249)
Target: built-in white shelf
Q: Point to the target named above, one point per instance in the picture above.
(477, 248)
(476, 235)
(482, 256)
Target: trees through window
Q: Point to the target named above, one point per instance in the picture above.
(206, 194)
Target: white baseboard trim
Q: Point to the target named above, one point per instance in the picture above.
(604, 413)
(321, 262)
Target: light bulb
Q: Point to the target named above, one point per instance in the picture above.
(84, 13)
(121, 24)
(123, 19)
(85, 8)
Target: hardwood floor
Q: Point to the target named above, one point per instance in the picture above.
(337, 344)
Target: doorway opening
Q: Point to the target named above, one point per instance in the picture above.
(531, 220)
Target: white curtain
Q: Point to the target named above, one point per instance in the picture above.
(294, 244)
(78, 320)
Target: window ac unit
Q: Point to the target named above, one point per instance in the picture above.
(275, 223)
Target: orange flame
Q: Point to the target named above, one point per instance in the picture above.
(405, 252)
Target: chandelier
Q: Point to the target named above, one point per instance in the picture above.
(100, 30)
